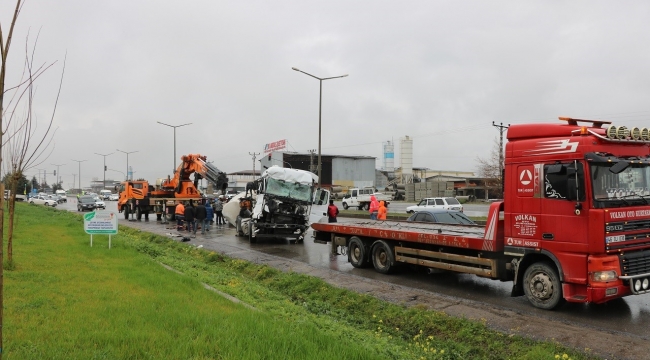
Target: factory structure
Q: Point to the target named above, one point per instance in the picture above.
(341, 172)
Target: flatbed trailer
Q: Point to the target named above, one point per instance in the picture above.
(471, 249)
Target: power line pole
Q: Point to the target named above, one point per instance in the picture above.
(254, 155)
(311, 160)
(502, 128)
(79, 163)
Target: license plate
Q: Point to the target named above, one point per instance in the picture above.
(613, 239)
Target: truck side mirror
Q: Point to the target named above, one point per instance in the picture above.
(619, 167)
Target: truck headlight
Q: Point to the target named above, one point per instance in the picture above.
(604, 276)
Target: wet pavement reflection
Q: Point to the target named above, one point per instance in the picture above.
(630, 315)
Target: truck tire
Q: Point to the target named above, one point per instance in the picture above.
(357, 253)
(382, 257)
(345, 206)
(366, 206)
(542, 286)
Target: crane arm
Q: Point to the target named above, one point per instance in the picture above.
(196, 164)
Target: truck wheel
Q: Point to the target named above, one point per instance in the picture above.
(366, 207)
(382, 257)
(345, 206)
(357, 253)
(542, 286)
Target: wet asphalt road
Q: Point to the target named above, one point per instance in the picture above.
(628, 317)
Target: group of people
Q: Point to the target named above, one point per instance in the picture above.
(190, 216)
(378, 210)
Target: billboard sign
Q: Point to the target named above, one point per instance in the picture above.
(275, 146)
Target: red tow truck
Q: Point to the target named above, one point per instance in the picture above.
(574, 224)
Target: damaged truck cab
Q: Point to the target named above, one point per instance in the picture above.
(282, 205)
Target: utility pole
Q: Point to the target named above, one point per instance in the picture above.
(311, 159)
(79, 162)
(502, 128)
(254, 155)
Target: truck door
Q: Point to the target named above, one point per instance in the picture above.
(353, 198)
(563, 194)
(523, 221)
(319, 205)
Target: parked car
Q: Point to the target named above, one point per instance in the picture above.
(85, 203)
(441, 216)
(447, 203)
(99, 203)
(42, 200)
(59, 199)
(114, 197)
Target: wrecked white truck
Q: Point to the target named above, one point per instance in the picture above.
(281, 204)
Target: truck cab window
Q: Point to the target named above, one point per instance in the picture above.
(561, 181)
(629, 187)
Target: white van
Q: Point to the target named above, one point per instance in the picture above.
(104, 194)
(61, 193)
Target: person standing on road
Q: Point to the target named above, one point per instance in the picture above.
(209, 214)
(200, 214)
(374, 207)
(381, 213)
(179, 213)
(332, 212)
(218, 209)
(189, 218)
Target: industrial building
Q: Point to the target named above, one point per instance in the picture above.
(338, 170)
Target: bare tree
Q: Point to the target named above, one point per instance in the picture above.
(20, 143)
(4, 51)
(25, 147)
(490, 168)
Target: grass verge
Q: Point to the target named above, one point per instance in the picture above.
(66, 300)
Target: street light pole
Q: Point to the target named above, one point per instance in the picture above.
(174, 127)
(320, 102)
(80, 161)
(104, 155)
(58, 172)
(127, 161)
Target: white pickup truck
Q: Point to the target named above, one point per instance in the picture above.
(360, 198)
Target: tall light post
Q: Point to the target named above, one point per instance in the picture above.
(58, 172)
(320, 102)
(174, 127)
(80, 161)
(104, 155)
(127, 160)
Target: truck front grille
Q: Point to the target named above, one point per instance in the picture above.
(635, 263)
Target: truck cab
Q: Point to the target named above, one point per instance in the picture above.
(577, 211)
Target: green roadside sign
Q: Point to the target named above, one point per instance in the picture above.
(100, 222)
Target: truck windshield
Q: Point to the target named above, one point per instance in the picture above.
(631, 187)
(294, 191)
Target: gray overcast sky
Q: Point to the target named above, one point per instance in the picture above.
(438, 71)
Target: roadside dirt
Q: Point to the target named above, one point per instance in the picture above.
(608, 345)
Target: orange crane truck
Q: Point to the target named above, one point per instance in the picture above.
(140, 197)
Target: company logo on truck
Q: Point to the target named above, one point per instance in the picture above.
(554, 147)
